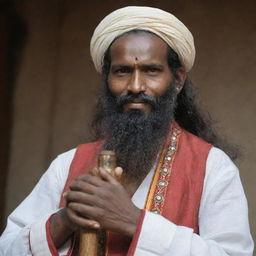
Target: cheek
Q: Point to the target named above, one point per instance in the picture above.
(116, 87)
(160, 86)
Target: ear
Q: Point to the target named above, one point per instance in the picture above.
(180, 78)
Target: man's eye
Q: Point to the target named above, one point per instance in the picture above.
(122, 70)
(153, 70)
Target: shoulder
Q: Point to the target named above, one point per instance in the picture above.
(219, 164)
(65, 158)
(221, 172)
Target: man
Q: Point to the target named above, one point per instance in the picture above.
(174, 192)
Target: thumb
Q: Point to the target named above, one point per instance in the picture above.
(108, 176)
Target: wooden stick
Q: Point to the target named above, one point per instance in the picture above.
(88, 243)
(89, 239)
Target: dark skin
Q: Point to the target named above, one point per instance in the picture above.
(99, 200)
(139, 64)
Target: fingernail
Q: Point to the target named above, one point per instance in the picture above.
(64, 194)
(96, 225)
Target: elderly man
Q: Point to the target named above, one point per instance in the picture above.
(179, 193)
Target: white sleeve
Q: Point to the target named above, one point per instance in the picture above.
(223, 219)
(25, 233)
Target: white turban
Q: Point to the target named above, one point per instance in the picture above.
(157, 21)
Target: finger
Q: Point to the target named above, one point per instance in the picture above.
(86, 211)
(80, 197)
(95, 172)
(86, 183)
(81, 221)
(65, 194)
(79, 185)
(88, 178)
(108, 177)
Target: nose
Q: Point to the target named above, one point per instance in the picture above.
(136, 83)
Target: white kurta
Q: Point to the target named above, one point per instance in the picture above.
(223, 216)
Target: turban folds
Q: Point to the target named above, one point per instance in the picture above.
(157, 21)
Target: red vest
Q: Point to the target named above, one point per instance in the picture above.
(175, 190)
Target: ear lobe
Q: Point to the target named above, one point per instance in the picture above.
(181, 76)
(178, 88)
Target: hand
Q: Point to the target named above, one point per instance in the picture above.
(101, 200)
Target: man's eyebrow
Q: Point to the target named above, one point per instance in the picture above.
(152, 65)
(116, 66)
(155, 65)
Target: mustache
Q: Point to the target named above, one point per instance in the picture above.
(140, 97)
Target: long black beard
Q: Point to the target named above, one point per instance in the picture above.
(135, 137)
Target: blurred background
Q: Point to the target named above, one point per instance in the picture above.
(48, 83)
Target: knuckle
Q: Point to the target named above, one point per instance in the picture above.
(75, 207)
(104, 194)
(84, 177)
(69, 195)
(76, 185)
(78, 178)
(93, 179)
(99, 215)
(115, 189)
(100, 203)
